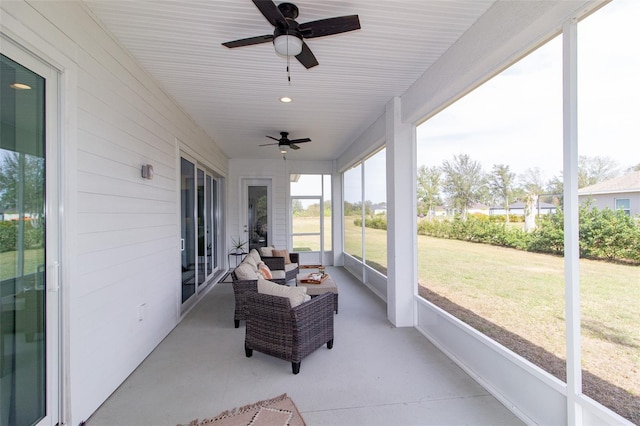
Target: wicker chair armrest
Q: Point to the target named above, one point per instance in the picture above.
(314, 311)
(243, 286)
(294, 258)
(274, 263)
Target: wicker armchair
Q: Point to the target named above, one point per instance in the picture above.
(275, 328)
(277, 264)
(240, 290)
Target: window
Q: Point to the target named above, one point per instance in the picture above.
(486, 173)
(352, 207)
(608, 91)
(624, 205)
(375, 230)
(365, 222)
(311, 213)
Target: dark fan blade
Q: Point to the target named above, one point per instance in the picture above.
(292, 146)
(249, 41)
(300, 140)
(271, 137)
(268, 144)
(325, 27)
(270, 11)
(306, 57)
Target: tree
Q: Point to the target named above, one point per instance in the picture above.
(592, 170)
(501, 185)
(428, 188)
(296, 207)
(635, 168)
(463, 182)
(532, 182)
(22, 183)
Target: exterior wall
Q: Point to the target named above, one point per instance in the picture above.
(120, 233)
(602, 201)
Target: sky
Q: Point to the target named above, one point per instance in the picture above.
(516, 117)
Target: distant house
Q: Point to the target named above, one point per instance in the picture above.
(379, 208)
(518, 207)
(478, 208)
(619, 193)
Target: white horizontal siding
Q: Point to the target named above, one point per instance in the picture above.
(124, 230)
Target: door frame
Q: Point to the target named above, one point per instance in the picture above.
(54, 360)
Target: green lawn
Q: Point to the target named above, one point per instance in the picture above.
(8, 262)
(523, 293)
(311, 225)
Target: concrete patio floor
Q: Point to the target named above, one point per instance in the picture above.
(375, 374)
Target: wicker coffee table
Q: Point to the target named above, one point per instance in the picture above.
(326, 286)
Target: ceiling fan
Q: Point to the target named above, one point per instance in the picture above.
(284, 142)
(288, 36)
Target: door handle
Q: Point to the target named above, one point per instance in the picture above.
(181, 244)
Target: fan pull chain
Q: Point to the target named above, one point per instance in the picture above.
(288, 63)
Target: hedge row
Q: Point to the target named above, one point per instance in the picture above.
(604, 234)
(375, 222)
(33, 236)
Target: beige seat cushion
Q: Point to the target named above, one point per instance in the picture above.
(246, 272)
(290, 266)
(278, 274)
(296, 295)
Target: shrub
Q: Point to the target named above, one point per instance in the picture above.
(33, 236)
(604, 234)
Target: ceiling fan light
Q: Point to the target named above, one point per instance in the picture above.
(283, 149)
(287, 45)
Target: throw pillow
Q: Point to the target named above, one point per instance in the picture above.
(264, 271)
(282, 253)
(296, 295)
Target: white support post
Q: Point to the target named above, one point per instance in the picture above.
(401, 217)
(571, 208)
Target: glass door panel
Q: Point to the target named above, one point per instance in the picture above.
(202, 227)
(209, 222)
(257, 216)
(23, 357)
(187, 170)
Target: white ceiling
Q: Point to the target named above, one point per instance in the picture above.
(234, 93)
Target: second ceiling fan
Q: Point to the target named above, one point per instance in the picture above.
(284, 142)
(288, 36)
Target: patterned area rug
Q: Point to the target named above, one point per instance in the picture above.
(271, 412)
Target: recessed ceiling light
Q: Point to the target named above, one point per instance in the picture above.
(285, 99)
(20, 86)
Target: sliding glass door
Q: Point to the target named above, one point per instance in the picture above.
(29, 304)
(199, 227)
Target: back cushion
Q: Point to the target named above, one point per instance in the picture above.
(266, 251)
(245, 272)
(255, 255)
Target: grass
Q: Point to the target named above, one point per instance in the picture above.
(8, 262)
(309, 225)
(517, 298)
